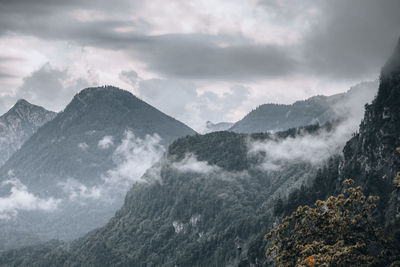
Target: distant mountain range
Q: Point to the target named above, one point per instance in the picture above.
(317, 109)
(18, 124)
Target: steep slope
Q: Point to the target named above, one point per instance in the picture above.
(77, 168)
(69, 145)
(371, 157)
(317, 109)
(18, 124)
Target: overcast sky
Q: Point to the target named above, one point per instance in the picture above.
(196, 60)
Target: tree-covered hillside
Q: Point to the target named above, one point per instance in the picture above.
(204, 204)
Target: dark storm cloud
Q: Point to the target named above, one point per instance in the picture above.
(346, 39)
(352, 38)
(201, 57)
(46, 7)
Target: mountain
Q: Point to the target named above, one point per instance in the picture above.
(371, 158)
(317, 109)
(215, 127)
(81, 164)
(211, 198)
(18, 124)
(69, 145)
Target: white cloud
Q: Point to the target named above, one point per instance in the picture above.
(318, 147)
(193, 104)
(83, 146)
(20, 199)
(308, 148)
(106, 142)
(132, 158)
(78, 191)
(190, 164)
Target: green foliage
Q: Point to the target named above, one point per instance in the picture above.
(337, 232)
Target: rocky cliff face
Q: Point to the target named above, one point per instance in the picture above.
(18, 124)
(372, 157)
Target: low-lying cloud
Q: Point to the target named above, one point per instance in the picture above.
(308, 148)
(132, 158)
(20, 199)
(190, 163)
(318, 147)
(106, 142)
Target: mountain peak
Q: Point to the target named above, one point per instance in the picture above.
(19, 124)
(102, 96)
(108, 90)
(22, 101)
(24, 110)
(22, 104)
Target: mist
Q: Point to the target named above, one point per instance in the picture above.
(190, 163)
(316, 148)
(132, 157)
(20, 199)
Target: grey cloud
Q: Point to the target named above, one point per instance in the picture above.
(50, 87)
(6, 58)
(132, 158)
(44, 7)
(199, 58)
(190, 164)
(6, 75)
(20, 199)
(6, 102)
(351, 39)
(181, 100)
(345, 40)
(130, 77)
(177, 55)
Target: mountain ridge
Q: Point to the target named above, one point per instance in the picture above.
(83, 149)
(18, 124)
(316, 109)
